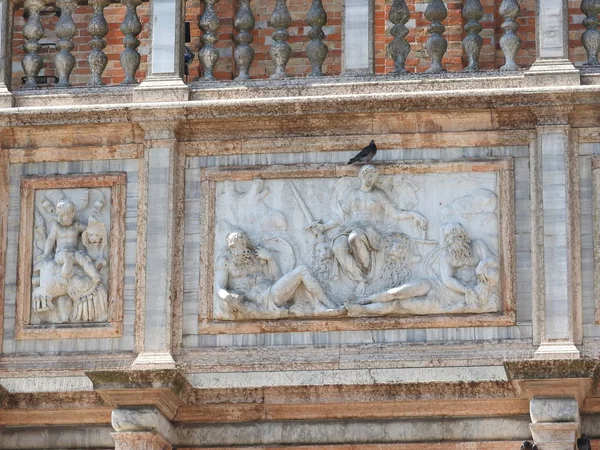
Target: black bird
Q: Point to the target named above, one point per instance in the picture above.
(366, 154)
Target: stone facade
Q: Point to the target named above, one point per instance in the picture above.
(200, 266)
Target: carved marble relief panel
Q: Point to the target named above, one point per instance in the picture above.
(324, 247)
(70, 277)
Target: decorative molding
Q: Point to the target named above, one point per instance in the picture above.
(343, 143)
(76, 153)
(208, 324)
(113, 327)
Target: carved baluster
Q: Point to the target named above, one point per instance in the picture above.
(98, 28)
(591, 36)
(208, 54)
(244, 53)
(33, 32)
(131, 27)
(510, 42)
(316, 50)
(399, 48)
(472, 43)
(280, 50)
(64, 60)
(436, 45)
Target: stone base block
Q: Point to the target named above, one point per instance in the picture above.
(557, 350)
(555, 436)
(140, 440)
(154, 360)
(553, 72)
(161, 89)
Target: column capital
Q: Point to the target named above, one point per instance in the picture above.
(160, 130)
(166, 390)
(552, 115)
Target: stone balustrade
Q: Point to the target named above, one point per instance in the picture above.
(315, 50)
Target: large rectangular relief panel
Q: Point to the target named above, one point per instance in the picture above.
(70, 275)
(329, 247)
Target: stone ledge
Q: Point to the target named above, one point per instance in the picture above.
(373, 100)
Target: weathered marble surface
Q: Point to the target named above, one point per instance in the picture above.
(193, 246)
(126, 342)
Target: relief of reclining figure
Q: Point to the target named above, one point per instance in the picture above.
(462, 278)
(249, 281)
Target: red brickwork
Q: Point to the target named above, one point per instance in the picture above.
(418, 61)
(113, 74)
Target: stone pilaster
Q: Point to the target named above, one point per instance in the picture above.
(163, 274)
(557, 263)
(555, 422)
(6, 14)
(552, 65)
(358, 37)
(166, 66)
(141, 428)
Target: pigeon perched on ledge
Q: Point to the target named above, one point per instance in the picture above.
(366, 154)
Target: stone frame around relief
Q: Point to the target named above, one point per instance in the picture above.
(596, 232)
(506, 249)
(116, 182)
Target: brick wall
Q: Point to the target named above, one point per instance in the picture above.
(418, 61)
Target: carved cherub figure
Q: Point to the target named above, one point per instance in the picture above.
(64, 235)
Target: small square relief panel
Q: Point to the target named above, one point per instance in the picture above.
(70, 278)
(326, 247)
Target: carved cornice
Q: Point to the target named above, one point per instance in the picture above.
(348, 100)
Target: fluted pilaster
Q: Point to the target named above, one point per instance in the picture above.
(33, 32)
(64, 60)
(280, 50)
(591, 36)
(316, 50)
(436, 45)
(472, 43)
(209, 24)
(399, 48)
(510, 42)
(244, 53)
(131, 27)
(98, 28)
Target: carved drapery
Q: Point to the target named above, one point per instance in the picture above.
(244, 53)
(436, 45)
(98, 28)
(510, 42)
(472, 43)
(316, 50)
(64, 60)
(591, 36)
(131, 27)
(33, 32)
(399, 48)
(209, 24)
(280, 50)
